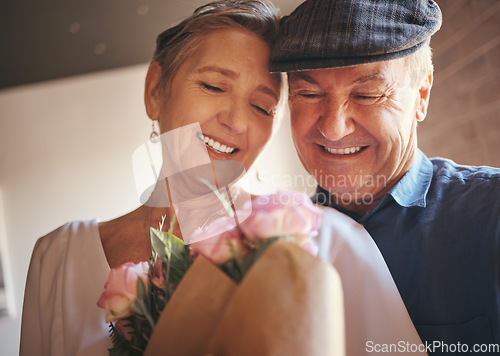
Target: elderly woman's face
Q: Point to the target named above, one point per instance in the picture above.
(226, 87)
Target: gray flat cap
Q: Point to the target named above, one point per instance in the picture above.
(340, 33)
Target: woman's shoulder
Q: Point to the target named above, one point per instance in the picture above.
(56, 243)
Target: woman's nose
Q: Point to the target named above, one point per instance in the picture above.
(235, 118)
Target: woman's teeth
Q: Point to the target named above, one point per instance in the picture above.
(343, 151)
(216, 146)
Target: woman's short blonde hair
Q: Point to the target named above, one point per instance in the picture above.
(174, 45)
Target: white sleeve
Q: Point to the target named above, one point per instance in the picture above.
(67, 274)
(374, 311)
(40, 308)
(31, 334)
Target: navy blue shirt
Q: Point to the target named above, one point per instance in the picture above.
(439, 232)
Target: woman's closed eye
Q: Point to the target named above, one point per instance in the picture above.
(212, 88)
(263, 111)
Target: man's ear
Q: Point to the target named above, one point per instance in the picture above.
(152, 91)
(424, 94)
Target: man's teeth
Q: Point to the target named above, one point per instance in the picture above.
(216, 146)
(343, 151)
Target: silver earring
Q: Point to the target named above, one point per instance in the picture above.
(258, 176)
(155, 136)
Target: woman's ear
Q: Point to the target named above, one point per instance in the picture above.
(424, 94)
(152, 91)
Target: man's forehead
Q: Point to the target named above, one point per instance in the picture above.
(371, 72)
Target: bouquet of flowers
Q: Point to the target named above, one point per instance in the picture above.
(253, 289)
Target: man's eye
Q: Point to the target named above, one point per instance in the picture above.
(262, 111)
(212, 88)
(309, 95)
(367, 99)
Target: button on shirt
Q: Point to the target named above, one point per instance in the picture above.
(439, 232)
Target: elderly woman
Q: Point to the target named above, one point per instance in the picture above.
(211, 69)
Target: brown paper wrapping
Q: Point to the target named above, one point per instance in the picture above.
(289, 303)
(188, 320)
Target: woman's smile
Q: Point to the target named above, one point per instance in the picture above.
(218, 145)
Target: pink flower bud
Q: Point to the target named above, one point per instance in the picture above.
(120, 290)
(284, 213)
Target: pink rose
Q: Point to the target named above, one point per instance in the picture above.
(221, 248)
(120, 290)
(284, 213)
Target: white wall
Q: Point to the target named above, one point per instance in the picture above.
(65, 154)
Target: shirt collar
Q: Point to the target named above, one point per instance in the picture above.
(412, 189)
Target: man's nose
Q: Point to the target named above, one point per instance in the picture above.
(336, 119)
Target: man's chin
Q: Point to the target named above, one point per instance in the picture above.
(351, 198)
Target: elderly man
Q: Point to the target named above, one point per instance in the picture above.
(360, 75)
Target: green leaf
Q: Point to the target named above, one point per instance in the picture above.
(141, 289)
(176, 259)
(172, 222)
(121, 345)
(180, 263)
(177, 246)
(233, 270)
(159, 242)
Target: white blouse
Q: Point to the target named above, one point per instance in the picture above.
(67, 274)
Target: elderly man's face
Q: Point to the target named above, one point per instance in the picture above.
(355, 127)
